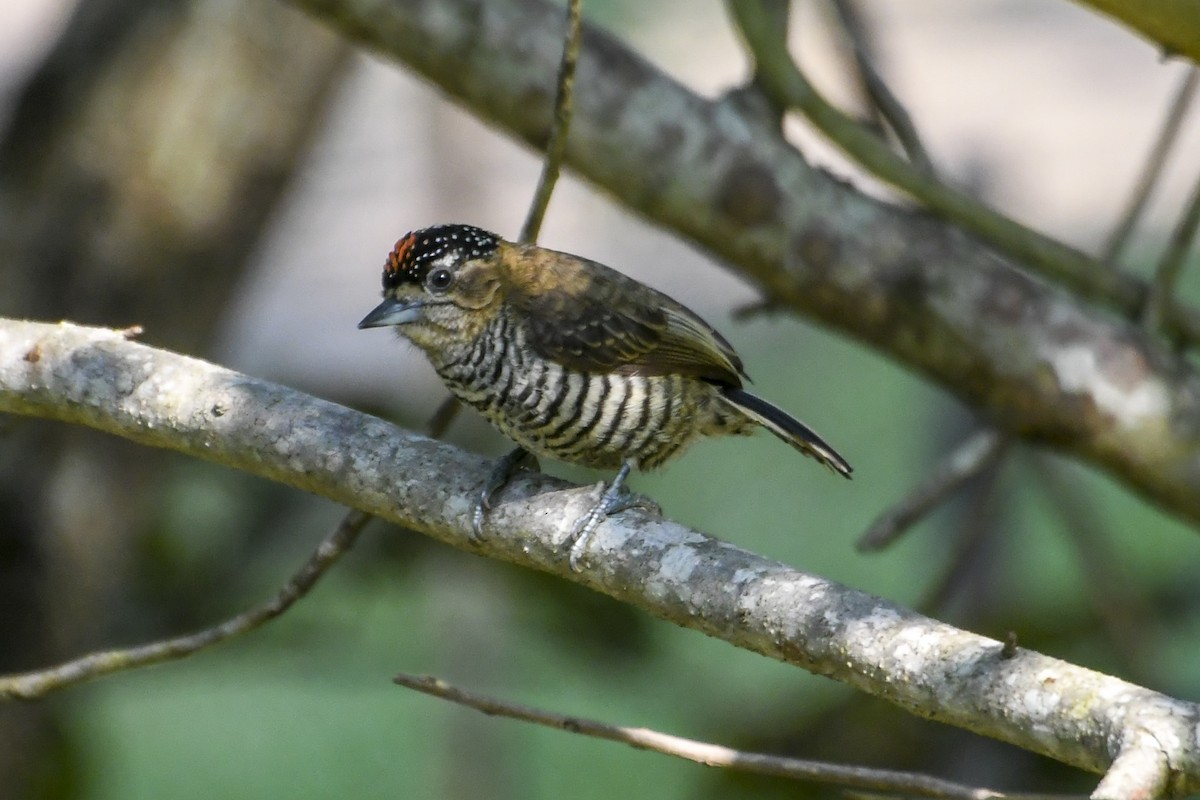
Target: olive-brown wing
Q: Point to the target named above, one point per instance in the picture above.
(589, 317)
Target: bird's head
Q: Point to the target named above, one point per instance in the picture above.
(440, 284)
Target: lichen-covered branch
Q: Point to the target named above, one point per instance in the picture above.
(100, 378)
(1038, 361)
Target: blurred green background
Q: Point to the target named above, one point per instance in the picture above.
(167, 164)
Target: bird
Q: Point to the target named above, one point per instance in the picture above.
(572, 360)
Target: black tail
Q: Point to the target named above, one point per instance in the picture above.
(788, 428)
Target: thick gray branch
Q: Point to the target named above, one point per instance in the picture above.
(1045, 365)
(98, 378)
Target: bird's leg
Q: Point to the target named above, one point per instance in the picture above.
(616, 498)
(506, 466)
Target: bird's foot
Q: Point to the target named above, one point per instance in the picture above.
(615, 499)
(506, 466)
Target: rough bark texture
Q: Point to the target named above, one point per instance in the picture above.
(96, 377)
(1041, 363)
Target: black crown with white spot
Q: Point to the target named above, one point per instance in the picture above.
(442, 245)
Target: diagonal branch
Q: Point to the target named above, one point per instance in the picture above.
(1036, 361)
(98, 378)
(1172, 25)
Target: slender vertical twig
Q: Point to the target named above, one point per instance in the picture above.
(563, 108)
(968, 554)
(1153, 168)
(1159, 300)
(891, 111)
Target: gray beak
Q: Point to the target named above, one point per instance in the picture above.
(392, 312)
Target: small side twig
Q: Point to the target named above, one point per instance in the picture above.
(756, 308)
(889, 107)
(32, 685)
(966, 461)
(1159, 301)
(563, 108)
(876, 780)
(1153, 168)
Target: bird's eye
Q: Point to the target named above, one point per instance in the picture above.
(440, 279)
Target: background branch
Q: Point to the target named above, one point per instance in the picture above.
(1166, 276)
(1038, 362)
(978, 452)
(885, 103)
(143, 152)
(98, 378)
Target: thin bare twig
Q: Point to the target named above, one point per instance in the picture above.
(1159, 302)
(1152, 171)
(756, 308)
(876, 780)
(31, 685)
(563, 107)
(975, 454)
(891, 111)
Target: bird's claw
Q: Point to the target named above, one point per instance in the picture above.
(506, 465)
(615, 499)
(482, 506)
